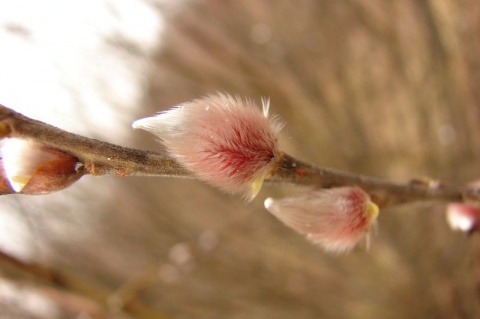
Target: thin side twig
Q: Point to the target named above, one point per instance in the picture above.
(42, 275)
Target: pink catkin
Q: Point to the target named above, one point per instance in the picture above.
(336, 218)
(225, 141)
(463, 217)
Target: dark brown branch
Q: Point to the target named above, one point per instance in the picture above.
(102, 158)
(384, 192)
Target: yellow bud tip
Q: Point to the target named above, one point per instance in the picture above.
(18, 182)
(256, 185)
(371, 211)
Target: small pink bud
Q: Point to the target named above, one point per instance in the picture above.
(336, 218)
(463, 217)
(33, 168)
(227, 142)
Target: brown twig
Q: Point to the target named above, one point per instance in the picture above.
(102, 158)
(384, 192)
(99, 158)
(100, 295)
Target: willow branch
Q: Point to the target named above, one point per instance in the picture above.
(99, 158)
(386, 193)
(102, 158)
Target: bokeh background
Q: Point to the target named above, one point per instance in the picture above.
(385, 88)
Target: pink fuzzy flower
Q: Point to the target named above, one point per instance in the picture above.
(336, 218)
(227, 142)
(463, 217)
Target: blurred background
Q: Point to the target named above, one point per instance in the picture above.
(384, 88)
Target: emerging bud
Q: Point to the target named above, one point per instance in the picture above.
(33, 168)
(225, 141)
(463, 217)
(334, 218)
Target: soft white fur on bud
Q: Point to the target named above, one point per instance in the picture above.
(20, 159)
(226, 141)
(337, 218)
(33, 168)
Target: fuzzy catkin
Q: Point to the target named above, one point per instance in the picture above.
(225, 141)
(336, 219)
